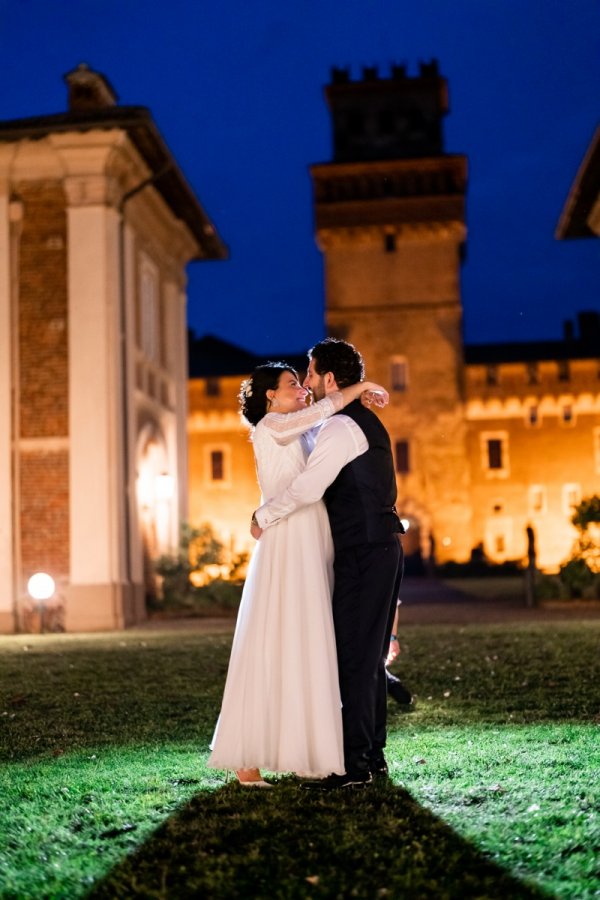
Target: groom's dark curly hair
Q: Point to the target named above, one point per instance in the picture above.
(340, 358)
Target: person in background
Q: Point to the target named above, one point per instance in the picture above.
(396, 690)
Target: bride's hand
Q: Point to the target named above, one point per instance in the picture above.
(374, 394)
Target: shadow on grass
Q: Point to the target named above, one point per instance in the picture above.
(289, 843)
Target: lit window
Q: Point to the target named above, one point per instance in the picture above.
(390, 243)
(597, 448)
(402, 457)
(491, 375)
(213, 387)
(217, 467)
(399, 373)
(567, 415)
(494, 453)
(571, 498)
(497, 540)
(537, 499)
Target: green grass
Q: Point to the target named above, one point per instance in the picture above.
(494, 789)
(510, 588)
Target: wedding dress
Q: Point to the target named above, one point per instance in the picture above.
(281, 708)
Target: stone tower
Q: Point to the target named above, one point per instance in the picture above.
(390, 222)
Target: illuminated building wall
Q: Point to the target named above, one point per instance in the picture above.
(533, 448)
(530, 439)
(222, 479)
(97, 225)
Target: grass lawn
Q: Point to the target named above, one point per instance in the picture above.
(493, 793)
(492, 587)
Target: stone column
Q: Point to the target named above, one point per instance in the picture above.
(7, 599)
(98, 596)
(180, 370)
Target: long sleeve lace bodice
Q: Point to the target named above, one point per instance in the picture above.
(282, 445)
(284, 427)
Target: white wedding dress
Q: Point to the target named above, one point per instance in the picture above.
(281, 708)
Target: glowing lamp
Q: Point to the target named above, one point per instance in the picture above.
(405, 524)
(165, 486)
(40, 586)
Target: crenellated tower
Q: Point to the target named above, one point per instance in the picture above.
(390, 222)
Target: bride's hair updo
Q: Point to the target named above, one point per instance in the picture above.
(253, 391)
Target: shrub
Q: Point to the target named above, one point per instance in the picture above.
(550, 587)
(223, 595)
(592, 591)
(586, 520)
(577, 576)
(199, 550)
(586, 513)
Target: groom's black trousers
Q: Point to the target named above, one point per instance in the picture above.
(366, 587)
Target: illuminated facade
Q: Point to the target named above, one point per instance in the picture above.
(97, 225)
(487, 439)
(530, 429)
(223, 490)
(533, 450)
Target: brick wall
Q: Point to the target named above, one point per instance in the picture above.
(45, 513)
(43, 379)
(43, 336)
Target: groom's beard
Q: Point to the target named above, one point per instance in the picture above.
(318, 391)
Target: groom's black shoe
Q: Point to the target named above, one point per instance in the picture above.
(397, 691)
(354, 780)
(378, 765)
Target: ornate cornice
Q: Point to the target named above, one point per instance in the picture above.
(479, 408)
(343, 233)
(340, 182)
(99, 166)
(214, 421)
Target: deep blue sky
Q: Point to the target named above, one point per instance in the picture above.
(236, 88)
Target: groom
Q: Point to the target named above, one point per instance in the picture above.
(352, 468)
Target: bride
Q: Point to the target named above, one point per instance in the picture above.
(281, 707)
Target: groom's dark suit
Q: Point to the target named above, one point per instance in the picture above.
(368, 569)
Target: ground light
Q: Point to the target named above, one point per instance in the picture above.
(40, 588)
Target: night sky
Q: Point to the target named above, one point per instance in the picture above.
(236, 88)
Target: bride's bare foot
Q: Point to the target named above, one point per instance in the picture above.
(251, 778)
(245, 775)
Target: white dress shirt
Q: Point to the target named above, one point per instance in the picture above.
(339, 441)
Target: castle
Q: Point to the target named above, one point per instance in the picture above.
(488, 439)
(98, 417)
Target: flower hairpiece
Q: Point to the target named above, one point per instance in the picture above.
(247, 388)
